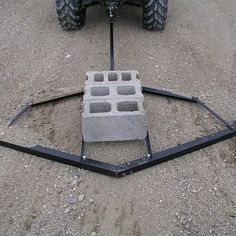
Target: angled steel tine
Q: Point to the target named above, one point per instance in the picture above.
(20, 113)
(33, 104)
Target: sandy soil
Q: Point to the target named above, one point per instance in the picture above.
(195, 55)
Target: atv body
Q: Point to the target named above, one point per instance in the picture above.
(72, 13)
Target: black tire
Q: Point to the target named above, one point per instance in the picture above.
(70, 14)
(154, 14)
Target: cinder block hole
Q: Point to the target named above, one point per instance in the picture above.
(98, 77)
(126, 90)
(99, 91)
(100, 107)
(112, 77)
(127, 106)
(126, 76)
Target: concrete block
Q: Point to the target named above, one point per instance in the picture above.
(113, 107)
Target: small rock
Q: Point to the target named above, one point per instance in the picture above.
(186, 226)
(81, 197)
(93, 234)
(59, 233)
(43, 223)
(64, 206)
(150, 57)
(67, 210)
(232, 214)
(11, 220)
(68, 56)
(60, 191)
(91, 200)
(72, 200)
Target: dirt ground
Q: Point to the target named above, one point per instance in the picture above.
(195, 55)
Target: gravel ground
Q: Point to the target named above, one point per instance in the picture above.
(195, 55)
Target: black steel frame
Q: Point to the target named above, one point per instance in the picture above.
(150, 159)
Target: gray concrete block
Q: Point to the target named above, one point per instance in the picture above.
(113, 107)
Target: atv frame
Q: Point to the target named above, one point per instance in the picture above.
(90, 3)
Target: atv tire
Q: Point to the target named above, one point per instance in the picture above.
(154, 14)
(70, 14)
